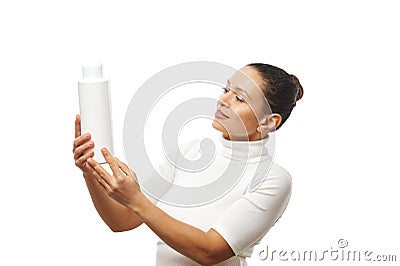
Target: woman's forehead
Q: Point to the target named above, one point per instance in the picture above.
(249, 81)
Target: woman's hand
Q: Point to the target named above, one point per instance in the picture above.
(122, 186)
(207, 248)
(81, 146)
(118, 217)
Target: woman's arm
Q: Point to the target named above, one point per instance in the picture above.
(116, 216)
(206, 248)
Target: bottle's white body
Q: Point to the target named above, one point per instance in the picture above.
(95, 112)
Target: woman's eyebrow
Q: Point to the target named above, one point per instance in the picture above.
(239, 89)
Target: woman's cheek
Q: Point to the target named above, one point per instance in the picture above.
(249, 120)
(238, 125)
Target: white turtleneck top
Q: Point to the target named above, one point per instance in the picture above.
(244, 213)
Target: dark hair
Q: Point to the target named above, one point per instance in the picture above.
(281, 89)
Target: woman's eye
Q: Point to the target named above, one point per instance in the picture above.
(239, 98)
(225, 89)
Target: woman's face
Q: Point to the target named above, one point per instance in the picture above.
(241, 106)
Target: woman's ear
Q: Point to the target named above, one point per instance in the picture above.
(269, 123)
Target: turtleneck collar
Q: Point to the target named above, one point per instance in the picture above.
(244, 150)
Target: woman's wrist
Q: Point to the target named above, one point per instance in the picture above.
(86, 175)
(138, 204)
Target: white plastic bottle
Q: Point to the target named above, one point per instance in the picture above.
(95, 108)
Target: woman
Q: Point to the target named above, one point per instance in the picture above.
(225, 231)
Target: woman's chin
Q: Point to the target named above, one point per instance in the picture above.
(218, 126)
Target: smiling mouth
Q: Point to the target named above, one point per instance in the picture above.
(220, 115)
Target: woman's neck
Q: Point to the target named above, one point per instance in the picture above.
(252, 137)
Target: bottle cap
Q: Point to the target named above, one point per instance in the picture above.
(92, 71)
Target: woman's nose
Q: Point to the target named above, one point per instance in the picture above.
(224, 99)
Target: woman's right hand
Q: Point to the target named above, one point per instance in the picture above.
(82, 144)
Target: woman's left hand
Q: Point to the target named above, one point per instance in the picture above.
(122, 186)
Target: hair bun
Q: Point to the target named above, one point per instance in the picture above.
(300, 90)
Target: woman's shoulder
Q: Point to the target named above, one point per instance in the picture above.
(280, 175)
(278, 170)
(275, 177)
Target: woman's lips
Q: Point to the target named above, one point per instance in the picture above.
(220, 115)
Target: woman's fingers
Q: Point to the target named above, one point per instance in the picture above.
(81, 145)
(126, 170)
(77, 126)
(82, 149)
(102, 173)
(100, 180)
(81, 140)
(123, 167)
(111, 161)
(81, 161)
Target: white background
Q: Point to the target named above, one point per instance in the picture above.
(340, 144)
